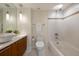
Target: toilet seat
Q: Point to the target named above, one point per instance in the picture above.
(40, 44)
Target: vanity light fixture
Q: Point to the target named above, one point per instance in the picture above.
(57, 7)
(7, 15)
(20, 15)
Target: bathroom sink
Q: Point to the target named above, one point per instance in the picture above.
(5, 37)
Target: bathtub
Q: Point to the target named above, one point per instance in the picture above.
(62, 49)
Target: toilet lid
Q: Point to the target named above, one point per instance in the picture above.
(39, 44)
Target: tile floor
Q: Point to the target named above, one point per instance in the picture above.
(34, 52)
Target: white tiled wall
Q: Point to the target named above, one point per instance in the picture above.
(71, 33)
(68, 30)
(40, 17)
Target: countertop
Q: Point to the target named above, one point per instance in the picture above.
(14, 39)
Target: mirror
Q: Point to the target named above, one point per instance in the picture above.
(8, 19)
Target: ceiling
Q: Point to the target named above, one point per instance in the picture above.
(34, 6)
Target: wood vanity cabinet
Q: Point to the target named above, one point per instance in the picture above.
(16, 49)
(6, 51)
(21, 46)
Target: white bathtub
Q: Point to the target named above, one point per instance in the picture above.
(63, 49)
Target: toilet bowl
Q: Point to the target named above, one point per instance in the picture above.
(40, 48)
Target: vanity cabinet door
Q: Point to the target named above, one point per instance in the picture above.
(9, 51)
(16, 49)
(21, 46)
(6, 51)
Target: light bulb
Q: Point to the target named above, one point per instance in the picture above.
(7, 16)
(20, 16)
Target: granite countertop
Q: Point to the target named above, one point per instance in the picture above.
(14, 39)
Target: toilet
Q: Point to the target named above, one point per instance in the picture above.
(40, 48)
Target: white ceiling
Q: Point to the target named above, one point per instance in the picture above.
(42, 6)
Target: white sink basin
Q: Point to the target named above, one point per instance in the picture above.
(5, 37)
